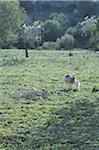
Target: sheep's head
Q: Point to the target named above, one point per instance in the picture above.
(67, 76)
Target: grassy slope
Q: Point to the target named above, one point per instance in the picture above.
(57, 122)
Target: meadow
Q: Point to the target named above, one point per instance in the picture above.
(67, 121)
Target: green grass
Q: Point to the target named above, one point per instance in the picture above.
(55, 122)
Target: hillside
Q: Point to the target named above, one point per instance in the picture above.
(41, 10)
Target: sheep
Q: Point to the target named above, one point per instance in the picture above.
(72, 83)
(69, 80)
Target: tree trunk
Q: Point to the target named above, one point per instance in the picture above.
(26, 53)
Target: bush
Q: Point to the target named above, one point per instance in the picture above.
(48, 46)
(58, 44)
(67, 41)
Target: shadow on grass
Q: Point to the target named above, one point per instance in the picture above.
(74, 127)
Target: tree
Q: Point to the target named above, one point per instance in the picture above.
(87, 32)
(30, 36)
(51, 30)
(62, 19)
(11, 17)
(95, 36)
(86, 8)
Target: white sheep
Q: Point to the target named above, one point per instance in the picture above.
(69, 80)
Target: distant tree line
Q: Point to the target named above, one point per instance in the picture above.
(49, 25)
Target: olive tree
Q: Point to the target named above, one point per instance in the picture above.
(31, 36)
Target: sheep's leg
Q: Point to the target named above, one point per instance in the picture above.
(70, 86)
(67, 86)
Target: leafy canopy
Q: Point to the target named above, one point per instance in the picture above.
(11, 16)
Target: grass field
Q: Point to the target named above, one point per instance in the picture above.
(68, 121)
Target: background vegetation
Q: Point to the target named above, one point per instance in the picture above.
(69, 24)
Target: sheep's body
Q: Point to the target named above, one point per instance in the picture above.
(71, 82)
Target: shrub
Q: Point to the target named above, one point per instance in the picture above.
(48, 46)
(67, 41)
(58, 44)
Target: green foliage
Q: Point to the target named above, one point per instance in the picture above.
(58, 44)
(62, 19)
(66, 42)
(30, 36)
(85, 32)
(70, 17)
(75, 10)
(86, 8)
(72, 31)
(48, 46)
(51, 30)
(11, 17)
